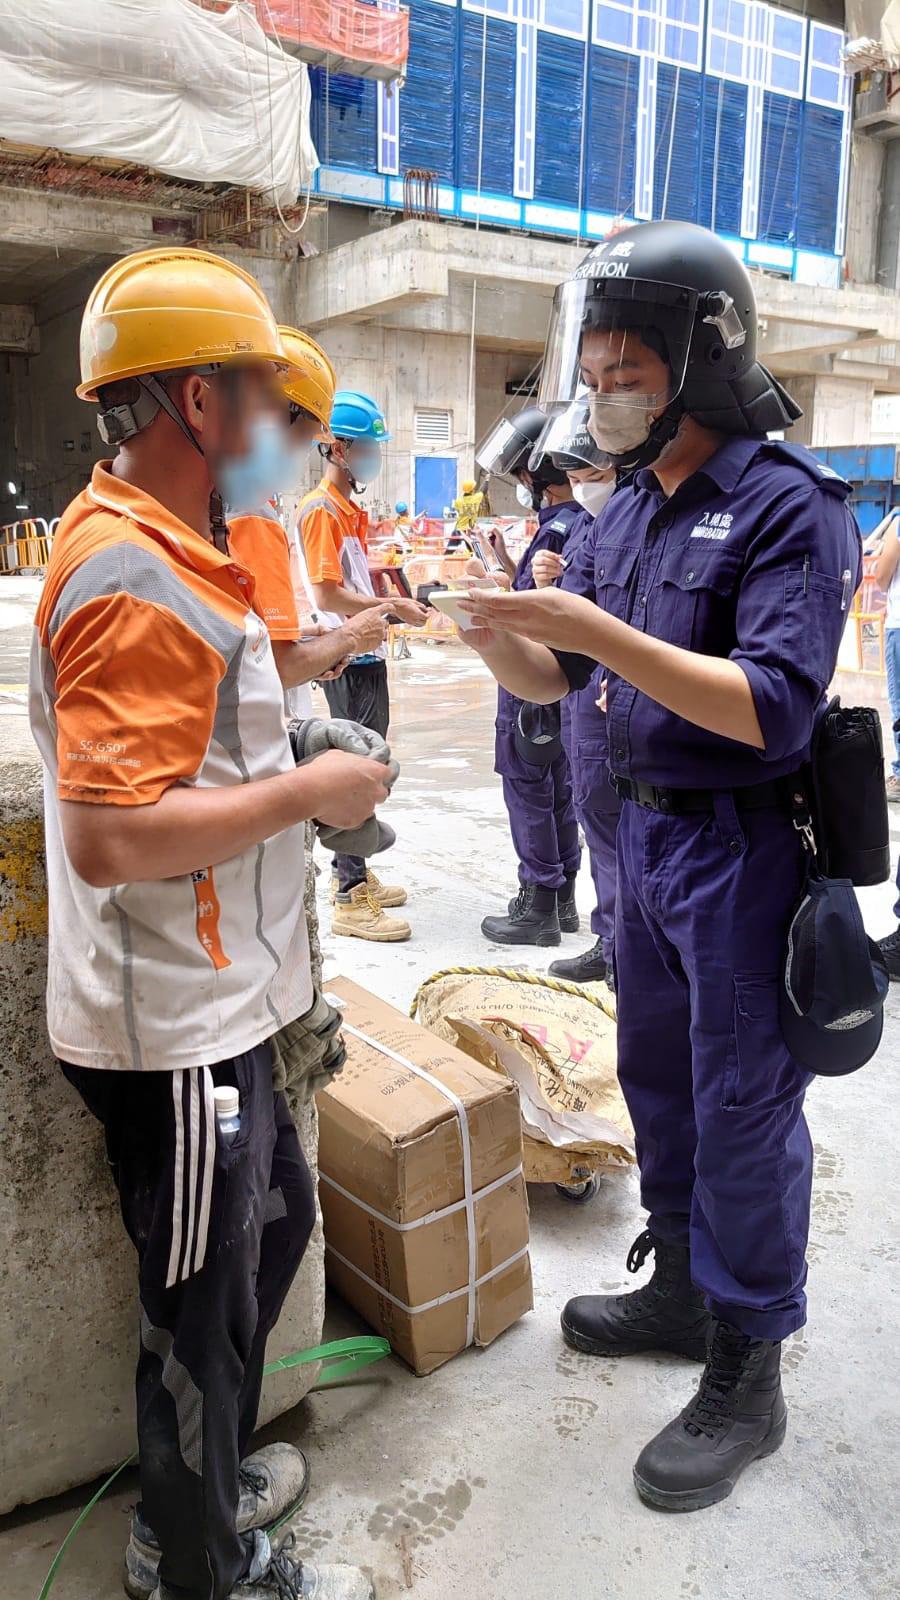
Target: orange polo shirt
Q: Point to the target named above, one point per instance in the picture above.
(325, 519)
(260, 544)
(150, 668)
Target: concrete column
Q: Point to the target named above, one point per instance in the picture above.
(68, 1290)
(835, 410)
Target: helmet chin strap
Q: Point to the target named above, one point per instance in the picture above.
(661, 434)
(326, 451)
(218, 527)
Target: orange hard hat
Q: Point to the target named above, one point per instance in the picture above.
(159, 310)
(310, 380)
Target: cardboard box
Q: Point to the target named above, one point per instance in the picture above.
(433, 1261)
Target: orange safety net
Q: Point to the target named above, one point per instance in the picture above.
(354, 29)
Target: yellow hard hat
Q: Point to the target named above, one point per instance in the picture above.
(468, 486)
(158, 310)
(310, 380)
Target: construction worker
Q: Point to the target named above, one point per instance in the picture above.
(273, 554)
(175, 822)
(568, 443)
(333, 533)
(537, 784)
(468, 506)
(715, 598)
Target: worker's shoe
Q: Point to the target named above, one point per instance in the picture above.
(274, 1483)
(281, 1575)
(569, 920)
(358, 915)
(387, 894)
(737, 1415)
(666, 1313)
(532, 919)
(890, 949)
(589, 967)
(893, 789)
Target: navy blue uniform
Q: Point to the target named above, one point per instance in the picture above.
(538, 800)
(597, 804)
(753, 559)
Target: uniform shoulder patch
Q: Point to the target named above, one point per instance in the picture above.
(798, 456)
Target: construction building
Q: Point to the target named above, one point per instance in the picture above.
(411, 185)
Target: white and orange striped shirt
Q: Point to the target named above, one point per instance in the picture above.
(149, 668)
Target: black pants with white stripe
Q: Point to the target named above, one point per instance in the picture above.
(220, 1232)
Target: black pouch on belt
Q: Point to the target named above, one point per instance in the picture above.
(847, 795)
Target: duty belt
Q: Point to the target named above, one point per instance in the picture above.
(785, 793)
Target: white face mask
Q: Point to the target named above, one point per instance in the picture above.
(523, 495)
(619, 429)
(593, 495)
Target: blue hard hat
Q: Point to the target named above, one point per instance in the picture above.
(356, 416)
(401, 508)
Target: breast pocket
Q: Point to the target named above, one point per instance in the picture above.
(613, 576)
(694, 602)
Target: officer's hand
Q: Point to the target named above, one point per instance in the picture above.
(346, 788)
(547, 616)
(410, 612)
(362, 633)
(475, 568)
(546, 567)
(601, 702)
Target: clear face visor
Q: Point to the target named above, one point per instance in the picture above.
(567, 442)
(504, 449)
(624, 340)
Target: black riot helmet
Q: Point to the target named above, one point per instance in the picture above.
(684, 295)
(510, 449)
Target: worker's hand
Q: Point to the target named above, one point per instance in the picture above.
(475, 568)
(547, 616)
(363, 633)
(346, 788)
(546, 567)
(410, 612)
(336, 671)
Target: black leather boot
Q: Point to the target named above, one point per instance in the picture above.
(532, 919)
(737, 1415)
(666, 1313)
(589, 967)
(569, 920)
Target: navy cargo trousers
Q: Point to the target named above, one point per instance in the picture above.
(704, 906)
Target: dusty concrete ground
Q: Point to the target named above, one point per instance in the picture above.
(507, 1475)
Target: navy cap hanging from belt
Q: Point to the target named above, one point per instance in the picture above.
(538, 736)
(835, 982)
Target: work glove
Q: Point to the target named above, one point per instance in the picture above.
(308, 1053)
(309, 738)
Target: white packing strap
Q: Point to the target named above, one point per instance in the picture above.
(468, 1196)
(428, 1305)
(431, 1216)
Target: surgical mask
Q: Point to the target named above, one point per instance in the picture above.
(594, 495)
(268, 466)
(365, 462)
(619, 429)
(524, 496)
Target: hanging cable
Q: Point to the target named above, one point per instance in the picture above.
(470, 397)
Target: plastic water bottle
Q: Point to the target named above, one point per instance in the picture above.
(228, 1113)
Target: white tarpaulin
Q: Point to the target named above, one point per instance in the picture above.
(161, 83)
(874, 36)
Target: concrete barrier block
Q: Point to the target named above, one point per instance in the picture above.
(68, 1307)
